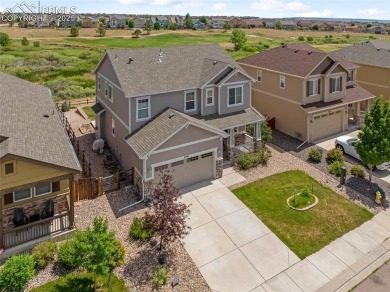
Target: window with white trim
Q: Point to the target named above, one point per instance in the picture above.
(313, 90)
(350, 76)
(235, 96)
(209, 96)
(190, 101)
(335, 84)
(105, 89)
(99, 83)
(43, 189)
(22, 195)
(282, 82)
(9, 168)
(259, 75)
(143, 109)
(113, 126)
(110, 92)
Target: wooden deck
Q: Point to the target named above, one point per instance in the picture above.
(25, 233)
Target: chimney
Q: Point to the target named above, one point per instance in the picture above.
(130, 60)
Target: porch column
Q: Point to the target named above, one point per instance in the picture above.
(1, 223)
(232, 141)
(230, 144)
(257, 137)
(71, 202)
(369, 101)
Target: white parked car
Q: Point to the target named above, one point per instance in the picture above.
(347, 145)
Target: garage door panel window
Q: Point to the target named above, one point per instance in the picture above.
(235, 96)
(161, 167)
(177, 163)
(207, 155)
(192, 158)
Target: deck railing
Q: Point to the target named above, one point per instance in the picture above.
(24, 233)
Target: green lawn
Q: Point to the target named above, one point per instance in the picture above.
(82, 282)
(89, 112)
(303, 232)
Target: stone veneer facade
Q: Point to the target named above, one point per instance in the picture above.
(240, 139)
(219, 167)
(35, 207)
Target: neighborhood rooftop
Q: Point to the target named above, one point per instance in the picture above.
(176, 68)
(30, 126)
(373, 52)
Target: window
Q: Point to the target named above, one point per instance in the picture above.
(143, 109)
(209, 96)
(113, 126)
(350, 76)
(259, 75)
(335, 84)
(192, 158)
(9, 168)
(282, 82)
(161, 167)
(207, 154)
(235, 96)
(105, 88)
(190, 101)
(110, 92)
(22, 195)
(176, 163)
(313, 87)
(99, 83)
(43, 189)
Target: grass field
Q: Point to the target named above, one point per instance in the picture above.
(64, 64)
(303, 232)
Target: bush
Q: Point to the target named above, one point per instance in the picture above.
(65, 106)
(25, 42)
(301, 38)
(335, 154)
(335, 168)
(74, 31)
(44, 253)
(357, 170)
(36, 44)
(315, 155)
(17, 271)
(160, 276)
(309, 39)
(4, 39)
(65, 255)
(139, 230)
(266, 46)
(347, 36)
(305, 192)
(245, 161)
(249, 160)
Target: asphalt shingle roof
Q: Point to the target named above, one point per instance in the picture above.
(373, 52)
(25, 131)
(181, 67)
(159, 129)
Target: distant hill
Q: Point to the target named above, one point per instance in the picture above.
(342, 19)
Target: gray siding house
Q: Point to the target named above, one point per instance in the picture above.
(181, 108)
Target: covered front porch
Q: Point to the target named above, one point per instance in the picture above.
(356, 112)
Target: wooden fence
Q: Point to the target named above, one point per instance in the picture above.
(76, 103)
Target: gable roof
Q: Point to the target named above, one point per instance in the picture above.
(181, 67)
(296, 59)
(160, 128)
(373, 52)
(26, 132)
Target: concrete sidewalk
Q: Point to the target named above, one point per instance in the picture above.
(235, 251)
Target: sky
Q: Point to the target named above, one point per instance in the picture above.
(374, 9)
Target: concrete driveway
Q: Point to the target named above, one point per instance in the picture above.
(329, 142)
(232, 248)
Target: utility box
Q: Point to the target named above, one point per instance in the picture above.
(343, 175)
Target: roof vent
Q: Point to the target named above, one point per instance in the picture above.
(309, 53)
(215, 62)
(116, 57)
(296, 51)
(171, 115)
(283, 46)
(130, 60)
(378, 49)
(45, 115)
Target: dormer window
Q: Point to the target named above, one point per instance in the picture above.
(313, 87)
(335, 84)
(209, 97)
(235, 95)
(259, 75)
(282, 82)
(350, 76)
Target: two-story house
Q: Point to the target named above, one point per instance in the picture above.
(90, 22)
(310, 94)
(117, 21)
(183, 108)
(37, 167)
(373, 58)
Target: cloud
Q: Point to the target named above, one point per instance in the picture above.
(184, 5)
(374, 13)
(219, 6)
(164, 2)
(127, 2)
(289, 8)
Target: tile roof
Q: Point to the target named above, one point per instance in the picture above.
(25, 130)
(373, 52)
(160, 128)
(227, 121)
(354, 93)
(296, 58)
(181, 67)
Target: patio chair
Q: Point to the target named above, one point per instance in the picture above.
(48, 211)
(19, 217)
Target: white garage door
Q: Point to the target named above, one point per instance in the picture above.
(327, 123)
(189, 171)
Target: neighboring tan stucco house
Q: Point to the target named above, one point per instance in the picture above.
(373, 58)
(183, 108)
(37, 164)
(310, 94)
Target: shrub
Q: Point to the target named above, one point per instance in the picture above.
(160, 276)
(36, 44)
(65, 255)
(25, 42)
(245, 161)
(309, 39)
(357, 170)
(17, 271)
(139, 230)
(315, 155)
(335, 154)
(335, 168)
(74, 31)
(301, 38)
(4, 39)
(250, 48)
(347, 36)
(372, 37)
(305, 192)
(65, 106)
(249, 160)
(44, 253)
(266, 46)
